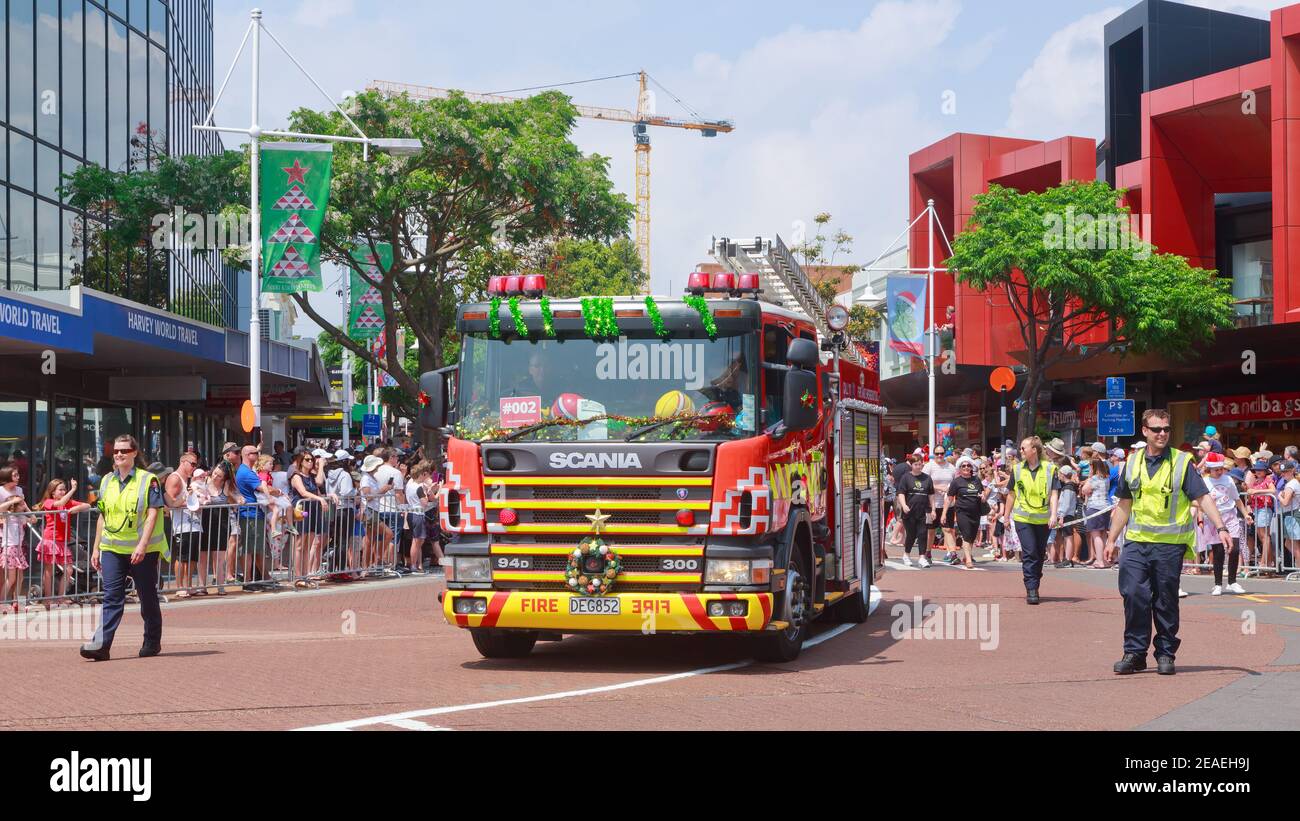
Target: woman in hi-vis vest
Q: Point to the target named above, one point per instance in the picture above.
(1031, 510)
(129, 541)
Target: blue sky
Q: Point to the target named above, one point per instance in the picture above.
(828, 98)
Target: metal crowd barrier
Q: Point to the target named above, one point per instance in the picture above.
(219, 548)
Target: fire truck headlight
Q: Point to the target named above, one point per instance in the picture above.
(727, 571)
(473, 569)
(735, 609)
(466, 606)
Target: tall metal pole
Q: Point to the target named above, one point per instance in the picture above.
(929, 205)
(347, 365)
(255, 256)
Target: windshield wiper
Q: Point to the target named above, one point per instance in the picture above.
(550, 423)
(651, 428)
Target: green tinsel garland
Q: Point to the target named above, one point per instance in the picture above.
(521, 330)
(598, 317)
(548, 324)
(701, 307)
(652, 309)
(494, 319)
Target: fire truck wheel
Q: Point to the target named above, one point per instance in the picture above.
(500, 644)
(796, 610)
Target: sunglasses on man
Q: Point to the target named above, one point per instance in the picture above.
(1159, 430)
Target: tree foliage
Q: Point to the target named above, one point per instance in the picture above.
(1069, 266)
(490, 180)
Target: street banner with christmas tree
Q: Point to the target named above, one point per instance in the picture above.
(906, 314)
(295, 193)
(366, 313)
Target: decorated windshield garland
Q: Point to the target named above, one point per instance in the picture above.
(725, 421)
(593, 567)
(548, 319)
(494, 318)
(598, 317)
(656, 319)
(517, 316)
(701, 306)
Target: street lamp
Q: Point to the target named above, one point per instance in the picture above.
(403, 147)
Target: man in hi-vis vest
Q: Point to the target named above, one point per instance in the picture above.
(128, 542)
(1157, 490)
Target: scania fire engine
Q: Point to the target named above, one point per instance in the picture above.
(702, 464)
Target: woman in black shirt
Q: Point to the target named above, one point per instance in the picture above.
(966, 493)
(914, 491)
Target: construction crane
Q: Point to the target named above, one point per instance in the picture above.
(641, 121)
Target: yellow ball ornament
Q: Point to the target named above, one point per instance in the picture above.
(674, 403)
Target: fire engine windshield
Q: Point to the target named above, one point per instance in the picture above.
(578, 389)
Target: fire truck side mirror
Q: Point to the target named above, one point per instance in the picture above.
(434, 385)
(803, 354)
(800, 401)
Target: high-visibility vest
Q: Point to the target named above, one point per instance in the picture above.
(1161, 512)
(123, 508)
(1033, 494)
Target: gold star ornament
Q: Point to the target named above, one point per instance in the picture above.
(598, 520)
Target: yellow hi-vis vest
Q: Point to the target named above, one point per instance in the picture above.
(1033, 494)
(123, 508)
(1161, 512)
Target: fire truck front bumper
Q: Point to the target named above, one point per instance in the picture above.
(618, 612)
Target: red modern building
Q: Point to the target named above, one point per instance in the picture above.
(1203, 131)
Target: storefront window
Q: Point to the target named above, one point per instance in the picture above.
(15, 440)
(152, 444)
(99, 426)
(69, 460)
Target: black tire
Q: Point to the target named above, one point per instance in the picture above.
(499, 644)
(855, 608)
(797, 609)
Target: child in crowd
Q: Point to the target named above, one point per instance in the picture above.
(278, 513)
(57, 502)
(13, 555)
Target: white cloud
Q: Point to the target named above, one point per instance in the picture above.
(1252, 8)
(1063, 91)
(320, 13)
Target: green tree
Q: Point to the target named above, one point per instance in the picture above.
(127, 252)
(490, 181)
(594, 268)
(1062, 286)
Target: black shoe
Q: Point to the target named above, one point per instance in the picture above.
(1131, 663)
(1031, 597)
(1165, 665)
(94, 655)
(150, 650)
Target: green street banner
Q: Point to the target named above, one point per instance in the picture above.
(295, 193)
(366, 313)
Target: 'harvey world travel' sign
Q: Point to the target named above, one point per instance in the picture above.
(44, 326)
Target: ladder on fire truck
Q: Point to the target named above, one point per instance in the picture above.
(781, 276)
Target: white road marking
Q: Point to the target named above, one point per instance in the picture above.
(412, 724)
(409, 715)
(890, 563)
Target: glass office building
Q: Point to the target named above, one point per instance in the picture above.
(114, 83)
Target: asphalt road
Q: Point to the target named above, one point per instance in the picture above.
(378, 656)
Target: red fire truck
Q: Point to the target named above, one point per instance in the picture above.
(704, 464)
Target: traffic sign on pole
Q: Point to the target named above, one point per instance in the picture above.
(1115, 417)
(1116, 387)
(371, 425)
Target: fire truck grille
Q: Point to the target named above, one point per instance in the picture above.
(599, 493)
(577, 517)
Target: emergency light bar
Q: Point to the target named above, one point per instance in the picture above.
(699, 283)
(532, 285)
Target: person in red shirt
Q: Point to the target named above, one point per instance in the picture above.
(59, 508)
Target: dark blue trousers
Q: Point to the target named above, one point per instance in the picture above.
(1148, 581)
(115, 568)
(1033, 549)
